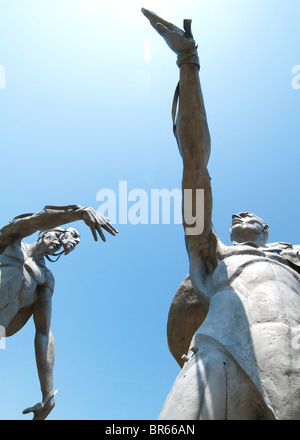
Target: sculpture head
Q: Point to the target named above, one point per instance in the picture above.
(248, 227)
(50, 241)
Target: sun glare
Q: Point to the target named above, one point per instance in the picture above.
(131, 10)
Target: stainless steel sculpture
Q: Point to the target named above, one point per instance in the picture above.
(26, 284)
(234, 324)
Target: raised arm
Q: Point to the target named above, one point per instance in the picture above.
(51, 217)
(192, 134)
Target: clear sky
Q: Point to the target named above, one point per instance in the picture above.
(87, 104)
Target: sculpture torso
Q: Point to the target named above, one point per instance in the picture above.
(21, 276)
(254, 312)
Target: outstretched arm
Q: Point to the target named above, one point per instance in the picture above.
(192, 134)
(51, 217)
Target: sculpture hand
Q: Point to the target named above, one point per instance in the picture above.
(95, 221)
(42, 410)
(177, 39)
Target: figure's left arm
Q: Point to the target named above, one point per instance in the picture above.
(51, 217)
(292, 255)
(288, 251)
(44, 353)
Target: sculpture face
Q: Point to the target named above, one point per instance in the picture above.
(248, 227)
(69, 239)
(51, 241)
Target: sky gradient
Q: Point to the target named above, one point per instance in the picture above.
(87, 104)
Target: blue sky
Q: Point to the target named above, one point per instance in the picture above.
(84, 109)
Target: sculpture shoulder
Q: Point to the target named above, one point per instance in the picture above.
(47, 278)
(13, 253)
(38, 270)
(288, 251)
(50, 280)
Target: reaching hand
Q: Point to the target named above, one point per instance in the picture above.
(178, 40)
(95, 221)
(43, 409)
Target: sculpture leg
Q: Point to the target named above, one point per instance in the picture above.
(7, 314)
(211, 386)
(199, 392)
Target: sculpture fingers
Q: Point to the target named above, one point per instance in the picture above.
(98, 227)
(90, 220)
(34, 408)
(178, 40)
(39, 412)
(42, 413)
(95, 225)
(93, 230)
(104, 222)
(155, 19)
(163, 30)
(95, 221)
(110, 229)
(187, 25)
(42, 409)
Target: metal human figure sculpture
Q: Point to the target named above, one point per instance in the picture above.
(26, 284)
(244, 299)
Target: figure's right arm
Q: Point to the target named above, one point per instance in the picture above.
(27, 224)
(51, 217)
(193, 140)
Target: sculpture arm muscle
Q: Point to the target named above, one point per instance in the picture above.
(193, 139)
(191, 132)
(44, 342)
(49, 217)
